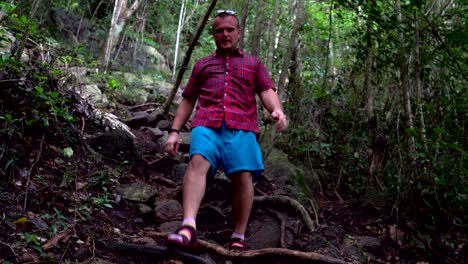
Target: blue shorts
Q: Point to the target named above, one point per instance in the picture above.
(230, 149)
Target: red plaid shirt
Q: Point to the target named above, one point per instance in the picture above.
(225, 86)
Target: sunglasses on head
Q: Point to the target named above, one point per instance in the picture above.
(230, 12)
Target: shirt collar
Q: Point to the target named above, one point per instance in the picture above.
(235, 52)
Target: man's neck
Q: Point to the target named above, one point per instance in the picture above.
(225, 51)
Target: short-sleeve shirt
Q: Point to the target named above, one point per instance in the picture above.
(225, 86)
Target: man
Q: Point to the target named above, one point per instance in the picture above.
(224, 128)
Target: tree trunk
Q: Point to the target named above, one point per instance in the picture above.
(187, 56)
(120, 18)
(258, 29)
(404, 80)
(327, 53)
(292, 43)
(417, 81)
(272, 37)
(296, 89)
(27, 31)
(179, 30)
(243, 21)
(140, 26)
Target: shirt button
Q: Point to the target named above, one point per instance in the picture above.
(227, 72)
(225, 83)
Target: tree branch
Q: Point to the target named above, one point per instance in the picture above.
(293, 255)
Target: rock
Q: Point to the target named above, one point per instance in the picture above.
(95, 260)
(282, 172)
(170, 226)
(350, 248)
(167, 210)
(39, 223)
(178, 172)
(266, 233)
(115, 144)
(154, 133)
(372, 245)
(79, 72)
(143, 209)
(138, 192)
(164, 89)
(93, 94)
(310, 242)
(163, 165)
(164, 124)
(139, 119)
(334, 233)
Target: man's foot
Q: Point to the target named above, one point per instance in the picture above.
(185, 238)
(237, 244)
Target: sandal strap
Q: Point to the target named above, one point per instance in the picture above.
(238, 244)
(192, 231)
(186, 244)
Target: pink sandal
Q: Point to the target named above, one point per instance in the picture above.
(182, 242)
(238, 245)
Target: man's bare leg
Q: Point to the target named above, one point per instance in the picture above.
(242, 200)
(194, 185)
(193, 191)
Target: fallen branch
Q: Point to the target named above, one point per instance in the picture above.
(284, 200)
(292, 255)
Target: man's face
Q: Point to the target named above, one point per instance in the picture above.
(226, 32)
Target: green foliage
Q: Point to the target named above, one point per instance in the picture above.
(304, 190)
(55, 104)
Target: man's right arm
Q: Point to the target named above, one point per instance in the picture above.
(183, 112)
(182, 115)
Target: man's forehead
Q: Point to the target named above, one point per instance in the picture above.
(227, 21)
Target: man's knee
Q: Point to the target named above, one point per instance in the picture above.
(198, 165)
(242, 178)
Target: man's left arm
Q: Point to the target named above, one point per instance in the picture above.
(272, 103)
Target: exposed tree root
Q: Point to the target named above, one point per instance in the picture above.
(284, 200)
(163, 252)
(293, 256)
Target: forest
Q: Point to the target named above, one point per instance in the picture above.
(372, 168)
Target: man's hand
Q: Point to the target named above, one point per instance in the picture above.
(172, 144)
(281, 121)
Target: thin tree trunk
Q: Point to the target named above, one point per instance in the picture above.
(404, 80)
(297, 93)
(378, 143)
(368, 80)
(245, 13)
(417, 81)
(140, 26)
(327, 53)
(258, 29)
(272, 37)
(179, 30)
(120, 18)
(27, 31)
(292, 42)
(188, 54)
